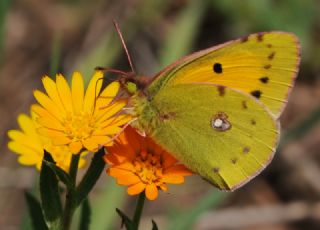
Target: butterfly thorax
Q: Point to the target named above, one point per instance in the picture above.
(144, 111)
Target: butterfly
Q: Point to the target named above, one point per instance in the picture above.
(217, 110)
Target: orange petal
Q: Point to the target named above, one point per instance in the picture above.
(129, 179)
(163, 187)
(173, 179)
(136, 188)
(169, 160)
(110, 159)
(178, 170)
(151, 192)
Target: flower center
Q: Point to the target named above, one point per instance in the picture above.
(148, 167)
(79, 126)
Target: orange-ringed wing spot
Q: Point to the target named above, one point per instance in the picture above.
(264, 80)
(220, 122)
(221, 90)
(256, 93)
(246, 150)
(217, 68)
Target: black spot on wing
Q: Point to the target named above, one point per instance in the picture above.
(256, 93)
(217, 68)
(264, 80)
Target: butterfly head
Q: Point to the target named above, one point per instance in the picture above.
(132, 83)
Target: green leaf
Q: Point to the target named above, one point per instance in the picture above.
(125, 220)
(85, 215)
(35, 211)
(92, 175)
(61, 174)
(154, 225)
(49, 193)
(186, 219)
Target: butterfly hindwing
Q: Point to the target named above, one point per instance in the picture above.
(227, 154)
(264, 65)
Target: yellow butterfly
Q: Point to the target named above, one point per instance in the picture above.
(217, 110)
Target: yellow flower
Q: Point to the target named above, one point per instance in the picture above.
(139, 163)
(30, 145)
(79, 119)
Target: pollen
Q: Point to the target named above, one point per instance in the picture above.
(79, 127)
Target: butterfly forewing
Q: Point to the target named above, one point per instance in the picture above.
(264, 65)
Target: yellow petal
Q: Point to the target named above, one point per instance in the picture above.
(50, 123)
(51, 89)
(64, 92)
(109, 130)
(49, 105)
(90, 145)
(77, 91)
(41, 112)
(109, 111)
(151, 192)
(61, 140)
(92, 91)
(50, 133)
(136, 188)
(107, 95)
(23, 149)
(28, 126)
(75, 147)
(100, 140)
(29, 160)
(23, 139)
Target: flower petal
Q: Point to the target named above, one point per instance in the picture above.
(178, 170)
(151, 192)
(136, 188)
(61, 140)
(64, 92)
(173, 179)
(77, 91)
(92, 91)
(51, 89)
(75, 146)
(49, 105)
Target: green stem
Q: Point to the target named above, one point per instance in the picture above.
(138, 211)
(70, 197)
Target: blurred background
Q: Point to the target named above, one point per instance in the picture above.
(51, 36)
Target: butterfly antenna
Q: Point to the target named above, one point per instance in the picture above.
(116, 25)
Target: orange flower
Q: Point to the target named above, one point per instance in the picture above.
(139, 163)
